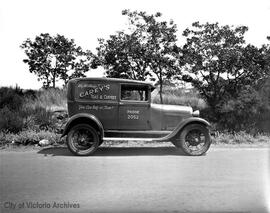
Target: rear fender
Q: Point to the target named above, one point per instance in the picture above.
(84, 118)
(181, 126)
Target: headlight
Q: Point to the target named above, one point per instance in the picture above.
(196, 113)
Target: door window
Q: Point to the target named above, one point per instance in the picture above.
(134, 93)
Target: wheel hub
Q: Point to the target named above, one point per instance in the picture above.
(193, 138)
(83, 139)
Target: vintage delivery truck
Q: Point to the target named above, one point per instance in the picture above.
(119, 109)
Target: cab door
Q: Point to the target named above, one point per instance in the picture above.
(134, 107)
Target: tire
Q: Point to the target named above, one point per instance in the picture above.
(100, 142)
(194, 139)
(83, 140)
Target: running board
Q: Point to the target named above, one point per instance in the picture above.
(136, 134)
(135, 139)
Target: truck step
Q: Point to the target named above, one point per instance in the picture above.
(129, 139)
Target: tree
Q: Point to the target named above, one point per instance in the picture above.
(266, 56)
(264, 91)
(219, 64)
(55, 58)
(122, 57)
(147, 49)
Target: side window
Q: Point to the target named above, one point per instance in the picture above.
(134, 93)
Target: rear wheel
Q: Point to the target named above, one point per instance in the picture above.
(83, 140)
(194, 139)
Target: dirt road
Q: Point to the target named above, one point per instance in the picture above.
(135, 180)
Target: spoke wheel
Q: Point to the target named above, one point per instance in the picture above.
(194, 139)
(83, 140)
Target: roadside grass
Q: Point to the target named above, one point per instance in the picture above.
(50, 99)
(31, 137)
(241, 138)
(179, 96)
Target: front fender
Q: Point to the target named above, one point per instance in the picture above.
(83, 118)
(181, 125)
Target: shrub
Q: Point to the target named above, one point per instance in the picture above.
(11, 102)
(29, 93)
(248, 111)
(29, 109)
(43, 118)
(26, 118)
(242, 113)
(11, 98)
(37, 118)
(11, 120)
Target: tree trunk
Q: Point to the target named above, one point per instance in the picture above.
(54, 78)
(47, 83)
(160, 86)
(213, 105)
(160, 95)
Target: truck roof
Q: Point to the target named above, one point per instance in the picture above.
(118, 80)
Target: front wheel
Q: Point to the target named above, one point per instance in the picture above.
(83, 140)
(194, 139)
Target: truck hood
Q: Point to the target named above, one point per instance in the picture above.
(167, 117)
(172, 109)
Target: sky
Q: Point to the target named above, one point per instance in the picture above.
(87, 20)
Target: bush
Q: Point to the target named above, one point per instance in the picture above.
(248, 111)
(30, 94)
(21, 110)
(242, 112)
(12, 98)
(26, 118)
(11, 102)
(38, 118)
(11, 121)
